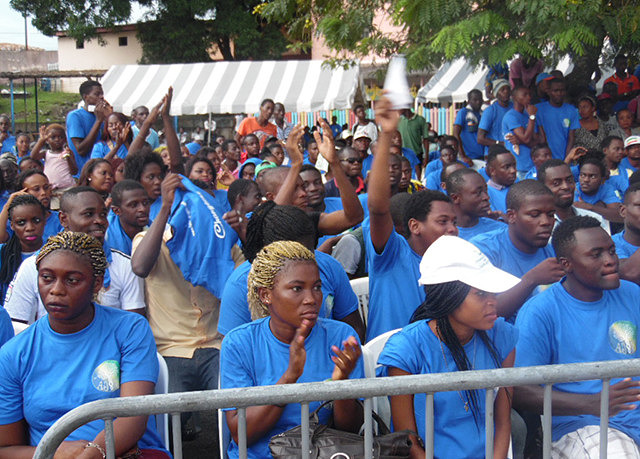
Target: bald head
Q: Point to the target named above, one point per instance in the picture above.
(272, 179)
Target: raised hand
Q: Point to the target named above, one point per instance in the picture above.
(297, 352)
(546, 272)
(293, 145)
(326, 143)
(169, 185)
(345, 359)
(124, 132)
(386, 117)
(225, 176)
(167, 102)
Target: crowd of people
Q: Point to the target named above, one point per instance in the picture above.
(512, 242)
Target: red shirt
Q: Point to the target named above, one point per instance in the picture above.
(251, 126)
(625, 85)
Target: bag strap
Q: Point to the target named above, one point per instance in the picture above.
(382, 426)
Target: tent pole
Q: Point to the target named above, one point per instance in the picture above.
(13, 109)
(24, 95)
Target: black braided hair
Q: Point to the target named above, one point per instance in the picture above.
(442, 299)
(271, 222)
(11, 253)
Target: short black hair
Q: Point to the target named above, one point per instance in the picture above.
(418, 206)
(520, 190)
(70, 195)
(26, 174)
(557, 80)
(447, 138)
(397, 206)
(495, 151)
(310, 167)
(564, 236)
(456, 179)
(85, 87)
(239, 187)
(472, 92)
(553, 162)
(632, 189)
(122, 186)
(593, 157)
(226, 143)
(635, 178)
(608, 139)
(538, 146)
(266, 101)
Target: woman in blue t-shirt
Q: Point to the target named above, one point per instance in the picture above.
(80, 352)
(116, 139)
(287, 343)
(456, 328)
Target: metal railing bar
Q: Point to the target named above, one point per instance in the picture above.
(242, 433)
(488, 423)
(176, 427)
(429, 426)
(304, 430)
(109, 440)
(546, 422)
(368, 429)
(604, 418)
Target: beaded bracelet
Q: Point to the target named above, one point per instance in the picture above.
(98, 447)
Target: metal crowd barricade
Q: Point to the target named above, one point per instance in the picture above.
(374, 387)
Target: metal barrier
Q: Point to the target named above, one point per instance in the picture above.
(335, 390)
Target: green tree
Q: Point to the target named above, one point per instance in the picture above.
(485, 31)
(173, 30)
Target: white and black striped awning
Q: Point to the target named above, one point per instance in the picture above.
(232, 87)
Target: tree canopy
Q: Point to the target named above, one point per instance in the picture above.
(173, 31)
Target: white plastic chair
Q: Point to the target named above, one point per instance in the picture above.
(162, 387)
(370, 353)
(361, 289)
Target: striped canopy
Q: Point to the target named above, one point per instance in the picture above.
(232, 87)
(452, 82)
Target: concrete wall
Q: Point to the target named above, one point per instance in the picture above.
(21, 60)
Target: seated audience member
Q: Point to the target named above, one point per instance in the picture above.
(116, 140)
(231, 152)
(590, 301)
(556, 175)
(129, 216)
(30, 163)
(200, 171)
(468, 192)
(311, 152)
(448, 154)
(613, 149)
(520, 130)
(118, 169)
(631, 162)
(36, 184)
(59, 162)
(592, 131)
(251, 146)
(592, 192)
(7, 140)
(82, 209)
(9, 170)
(558, 119)
(409, 154)
(248, 169)
(147, 168)
(287, 343)
(351, 164)
(79, 353)
(490, 127)
(244, 195)
(539, 155)
(625, 127)
(393, 259)
(501, 168)
(436, 180)
(27, 217)
(628, 241)
(270, 223)
(139, 116)
(184, 316)
(97, 173)
(21, 148)
(276, 151)
(456, 328)
(465, 127)
(406, 184)
(522, 247)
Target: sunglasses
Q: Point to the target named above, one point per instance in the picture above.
(352, 160)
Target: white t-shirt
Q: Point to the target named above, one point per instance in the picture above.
(23, 298)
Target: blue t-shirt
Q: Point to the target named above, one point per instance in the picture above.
(557, 123)
(46, 374)
(557, 328)
(433, 181)
(624, 249)
(469, 121)
(102, 149)
(514, 119)
(152, 138)
(333, 204)
(193, 147)
(252, 356)
(416, 349)
(116, 236)
(484, 226)
(626, 165)
(338, 299)
(394, 293)
(6, 328)
(8, 144)
(413, 160)
(491, 121)
(79, 124)
(366, 165)
(436, 166)
(498, 198)
(606, 193)
(532, 174)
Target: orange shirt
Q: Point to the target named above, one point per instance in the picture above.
(628, 84)
(250, 126)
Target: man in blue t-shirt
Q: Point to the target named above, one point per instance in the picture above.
(559, 120)
(593, 193)
(465, 127)
(7, 141)
(522, 248)
(394, 260)
(590, 303)
(520, 130)
(84, 125)
(501, 167)
(468, 192)
(490, 127)
(628, 241)
(139, 115)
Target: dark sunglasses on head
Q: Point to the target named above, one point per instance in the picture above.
(352, 160)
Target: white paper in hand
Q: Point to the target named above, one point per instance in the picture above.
(396, 84)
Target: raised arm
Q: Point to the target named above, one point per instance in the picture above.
(379, 184)
(120, 141)
(173, 142)
(141, 138)
(36, 152)
(285, 194)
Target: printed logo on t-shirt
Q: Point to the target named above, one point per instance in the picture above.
(566, 122)
(106, 376)
(623, 336)
(328, 306)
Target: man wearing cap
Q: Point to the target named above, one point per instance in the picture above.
(361, 144)
(631, 162)
(540, 93)
(415, 133)
(559, 120)
(490, 127)
(590, 315)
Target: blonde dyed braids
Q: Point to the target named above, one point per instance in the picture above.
(266, 266)
(78, 243)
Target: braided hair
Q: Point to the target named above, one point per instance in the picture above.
(79, 243)
(267, 264)
(442, 300)
(11, 252)
(271, 222)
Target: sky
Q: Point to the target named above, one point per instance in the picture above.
(12, 28)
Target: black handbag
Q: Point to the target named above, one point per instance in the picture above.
(328, 443)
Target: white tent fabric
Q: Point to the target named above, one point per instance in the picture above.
(232, 87)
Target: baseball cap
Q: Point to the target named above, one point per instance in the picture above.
(451, 258)
(264, 165)
(360, 133)
(344, 135)
(543, 76)
(632, 140)
(498, 84)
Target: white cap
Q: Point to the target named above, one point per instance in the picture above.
(451, 258)
(632, 140)
(361, 132)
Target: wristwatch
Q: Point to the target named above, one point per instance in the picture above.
(532, 117)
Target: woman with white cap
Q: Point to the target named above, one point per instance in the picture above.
(456, 328)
